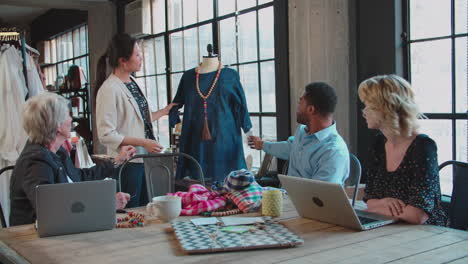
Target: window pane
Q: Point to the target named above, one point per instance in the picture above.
(441, 132)
(84, 66)
(59, 49)
(53, 51)
(47, 53)
(462, 140)
(163, 131)
(461, 63)
(54, 74)
(86, 39)
(69, 45)
(148, 57)
(267, 38)
(175, 14)
(162, 91)
(263, 1)
(191, 48)
(247, 150)
(228, 41)
(226, 7)
(431, 75)
(48, 72)
(76, 42)
(190, 12)
(160, 55)
(461, 19)
(205, 10)
(269, 128)
(175, 83)
(151, 92)
(142, 70)
(176, 52)
(61, 70)
(422, 14)
(83, 41)
(267, 70)
(247, 37)
(249, 80)
(159, 16)
(206, 37)
(244, 4)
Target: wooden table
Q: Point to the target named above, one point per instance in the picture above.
(323, 243)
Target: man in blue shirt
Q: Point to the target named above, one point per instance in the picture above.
(316, 151)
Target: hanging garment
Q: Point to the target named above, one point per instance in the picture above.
(34, 80)
(12, 135)
(227, 114)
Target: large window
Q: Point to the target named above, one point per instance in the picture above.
(64, 50)
(241, 31)
(438, 45)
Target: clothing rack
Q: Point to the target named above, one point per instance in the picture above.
(16, 34)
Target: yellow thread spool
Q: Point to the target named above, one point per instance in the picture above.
(272, 203)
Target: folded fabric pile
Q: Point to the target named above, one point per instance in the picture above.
(198, 199)
(240, 187)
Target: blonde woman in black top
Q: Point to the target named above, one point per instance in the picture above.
(402, 172)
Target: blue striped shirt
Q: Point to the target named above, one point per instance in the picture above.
(319, 156)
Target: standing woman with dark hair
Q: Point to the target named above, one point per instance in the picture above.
(123, 116)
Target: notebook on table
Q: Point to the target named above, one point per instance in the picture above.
(328, 202)
(68, 208)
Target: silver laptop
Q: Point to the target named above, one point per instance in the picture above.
(328, 202)
(68, 208)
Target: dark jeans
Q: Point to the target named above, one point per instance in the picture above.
(134, 183)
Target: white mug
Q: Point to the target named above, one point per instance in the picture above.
(166, 207)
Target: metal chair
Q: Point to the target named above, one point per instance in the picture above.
(354, 175)
(161, 165)
(2, 216)
(458, 208)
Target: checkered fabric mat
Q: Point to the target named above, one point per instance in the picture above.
(210, 238)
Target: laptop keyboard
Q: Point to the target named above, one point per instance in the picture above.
(365, 220)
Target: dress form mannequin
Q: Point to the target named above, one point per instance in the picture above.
(209, 63)
(214, 102)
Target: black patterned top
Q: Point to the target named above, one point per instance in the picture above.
(144, 110)
(415, 181)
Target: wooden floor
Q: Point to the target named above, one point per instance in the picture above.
(323, 243)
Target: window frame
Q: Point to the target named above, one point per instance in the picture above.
(56, 64)
(453, 116)
(280, 59)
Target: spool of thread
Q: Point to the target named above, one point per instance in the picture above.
(272, 203)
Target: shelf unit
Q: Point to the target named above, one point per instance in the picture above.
(84, 128)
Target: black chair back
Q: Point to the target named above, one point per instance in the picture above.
(166, 172)
(458, 209)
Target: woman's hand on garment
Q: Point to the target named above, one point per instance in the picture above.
(165, 110)
(121, 200)
(152, 146)
(126, 152)
(162, 112)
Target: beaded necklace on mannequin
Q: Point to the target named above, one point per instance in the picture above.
(207, 66)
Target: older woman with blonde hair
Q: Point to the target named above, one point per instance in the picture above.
(402, 171)
(47, 122)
